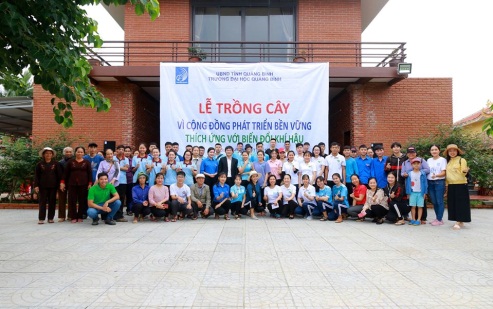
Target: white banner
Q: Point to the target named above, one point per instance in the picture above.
(208, 103)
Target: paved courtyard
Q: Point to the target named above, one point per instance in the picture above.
(246, 263)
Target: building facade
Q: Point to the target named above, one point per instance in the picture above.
(368, 101)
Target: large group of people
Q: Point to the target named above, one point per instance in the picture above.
(282, 182)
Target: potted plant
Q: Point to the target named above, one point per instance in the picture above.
(300, 56)
(196, 54)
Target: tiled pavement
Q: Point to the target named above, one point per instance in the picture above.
(246, 263)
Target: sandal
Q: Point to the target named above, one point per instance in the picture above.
(135, 220)
(237, 217)
(291, 217)
(61, 219)
(51, 221)
(80, 220)
(153, 219)
(166, 219)
(141, 219)
(216, 216)
(174, 219)
(41, 222)
(74, 221)
(360, 220)
(456, 226)
(194, 217)
(226, 217)
(324, 219)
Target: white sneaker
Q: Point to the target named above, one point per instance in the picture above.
(309, 218)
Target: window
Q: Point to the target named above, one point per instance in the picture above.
(252, 27)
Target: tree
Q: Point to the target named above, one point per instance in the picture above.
(50, 37)
(18, 86)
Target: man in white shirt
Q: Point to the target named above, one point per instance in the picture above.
(336, 163)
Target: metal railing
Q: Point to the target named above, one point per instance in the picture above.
(345, 54)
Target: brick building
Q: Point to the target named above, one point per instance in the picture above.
(368, 101)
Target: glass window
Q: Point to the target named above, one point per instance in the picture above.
(257, 23)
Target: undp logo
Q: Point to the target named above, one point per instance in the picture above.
(181, 75)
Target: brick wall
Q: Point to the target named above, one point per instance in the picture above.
(331, 20)
(173, 24)
(411, 108)
(130, 108)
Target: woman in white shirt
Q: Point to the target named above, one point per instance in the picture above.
(436, 183)
(306, 198)
(288, 196)
(291, 167)
(307, 167)
(272, 196)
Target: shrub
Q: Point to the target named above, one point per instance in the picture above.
(19, 157)
(478, 152)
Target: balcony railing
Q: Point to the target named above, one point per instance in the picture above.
(344, 54)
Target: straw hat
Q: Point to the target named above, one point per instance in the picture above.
(42, 151)
(251, 174)
(452, 146)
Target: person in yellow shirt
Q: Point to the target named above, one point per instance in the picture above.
(459, 208)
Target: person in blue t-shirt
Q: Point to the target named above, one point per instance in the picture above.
(94, 158)
(378, 167)
(364, 165)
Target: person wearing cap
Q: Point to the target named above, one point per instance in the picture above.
(68, 153)
(94, 158)
(282, 155)
(47, 176)
(103, 198)
(140, 197)
(458, 202)
(416, 190)
(394, 162)
(378, 166)
(200, 194)
(407, 167)
(253, 200)
(354, 152)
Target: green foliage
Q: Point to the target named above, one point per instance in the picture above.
(477, 150)
(48, 37)
(197, 52)
(488, 122)
(18, 86)
(19, 157)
